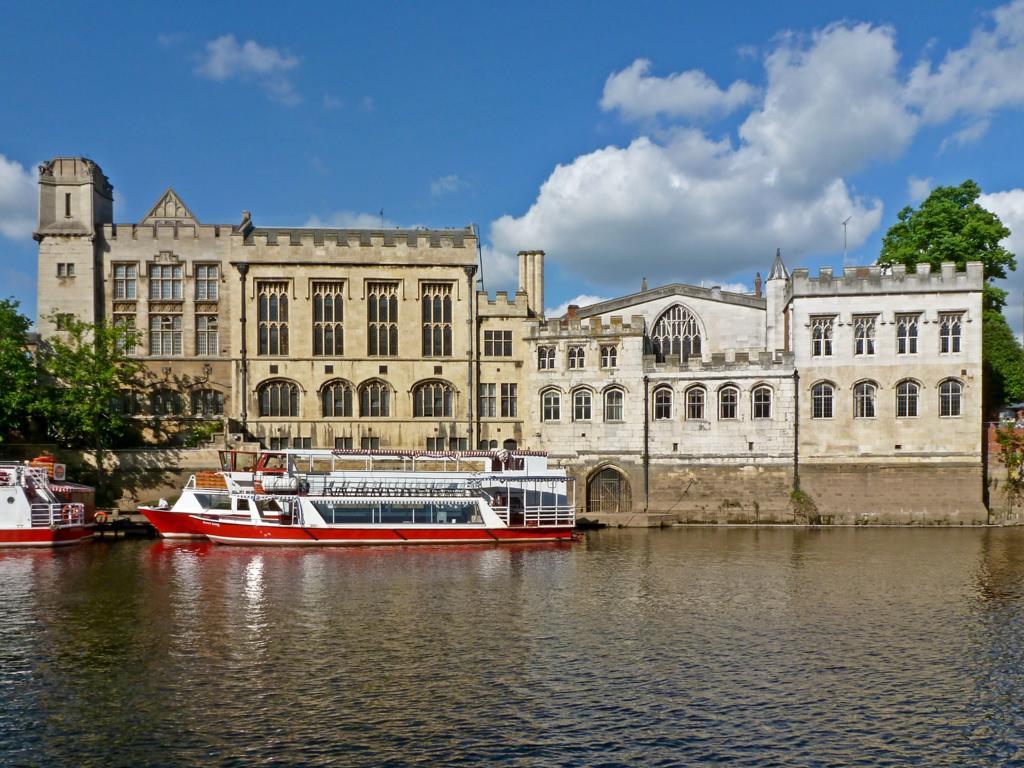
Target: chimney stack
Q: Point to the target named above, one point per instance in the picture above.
(570, 312)
(643, 284)
(757, 285)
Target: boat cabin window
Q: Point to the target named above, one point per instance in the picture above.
(268, 507)
(426, 513)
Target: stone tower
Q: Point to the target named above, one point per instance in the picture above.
(775, 298)
(75, 201)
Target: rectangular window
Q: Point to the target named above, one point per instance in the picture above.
(436, 305)
(382, 319)
(498, 343)
(272, 315)
(278, 443)
(509, 406)
(67, 205)
(576, 357)
(207, 335)
(65, 269)
(369, 443)
(165, 282)
(343, 443)
(546, 358)
(302, 443)
(821, 336)
(328, 319)
(906, 334)
(207, 282)
(949, 331)
(864, 336)
(127, 346)
(488, 401)
(124, 281)
(609, 356)
(165, 335)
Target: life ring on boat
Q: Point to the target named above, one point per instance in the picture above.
(67, 512)
(100, 517)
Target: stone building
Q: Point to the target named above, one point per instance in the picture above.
(674, 403)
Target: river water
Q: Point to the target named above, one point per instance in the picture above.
(686, 646)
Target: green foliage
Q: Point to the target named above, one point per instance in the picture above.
(804, 508)
(87, 371)
(201, 433)
(1004, 362)
(18, 391)
(1011, 453)
(951, 226)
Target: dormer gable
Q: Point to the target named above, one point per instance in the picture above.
(169, 210)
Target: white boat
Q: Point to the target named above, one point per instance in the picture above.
(32, 514)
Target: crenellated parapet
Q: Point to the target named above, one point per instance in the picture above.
(166, 231)
(502, 304)
(735, 361)
(576, 327)
(887, 279)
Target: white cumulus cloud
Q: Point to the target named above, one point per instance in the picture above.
(446, 185)
(684, 203)
(18, 200)
(225, 59)
(1009, 207)
(918, 189)
(636, 94)
(583, 300)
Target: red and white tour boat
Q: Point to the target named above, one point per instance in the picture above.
(224, 493)
(320, 498)
(32, 514)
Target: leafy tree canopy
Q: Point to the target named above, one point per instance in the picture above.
(1004, 361)
(18, 391)
(88, 372)
(951, 226)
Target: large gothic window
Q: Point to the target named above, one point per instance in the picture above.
(676, 333)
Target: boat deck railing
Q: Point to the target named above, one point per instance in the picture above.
(400, 487)
(542, 516)
(46, 515)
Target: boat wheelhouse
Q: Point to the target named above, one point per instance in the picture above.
(31, 512)
(397, 497)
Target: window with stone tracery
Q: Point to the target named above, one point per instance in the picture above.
(676, 332)
(864, 336)
(328, 318)
(821, 336)
(382, 319)
(436, 304)
(272, 316)
(906, 334)
(949, 331)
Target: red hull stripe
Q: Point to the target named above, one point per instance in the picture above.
(43, 537)
(292, 535)
(173, 525)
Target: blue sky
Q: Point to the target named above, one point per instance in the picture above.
(676, 141)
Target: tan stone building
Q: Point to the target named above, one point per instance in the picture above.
(676, 403)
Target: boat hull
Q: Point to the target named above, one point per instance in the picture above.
(44, 537)
(248, 534)
(172, 525)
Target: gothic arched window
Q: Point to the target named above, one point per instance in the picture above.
(676, 333)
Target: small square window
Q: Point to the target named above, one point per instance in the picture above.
(328, 369)
(438, 370)
(382, 369)
(273, 369)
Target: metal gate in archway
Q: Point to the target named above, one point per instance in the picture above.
(608, 492)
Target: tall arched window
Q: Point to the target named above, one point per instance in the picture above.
(613, 400)
(551, 405)
(336, 399)
(761, 400)
(864, 400)
(695, 401)
(728, 403)
(907, 393)
(581, 405)
(432, 400)
(278, 398)
(950, 397)
(676, 333)
(374, 399)
(822, 396)
(663, 404)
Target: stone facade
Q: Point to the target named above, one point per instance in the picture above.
(676, 403)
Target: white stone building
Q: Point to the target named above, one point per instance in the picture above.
(677, 403)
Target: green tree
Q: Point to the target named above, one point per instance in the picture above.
(18, 390)
(951, 226)
(88, 374)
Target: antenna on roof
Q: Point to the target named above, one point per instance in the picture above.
(845, 222)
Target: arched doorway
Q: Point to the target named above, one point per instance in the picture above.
(608, 492)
